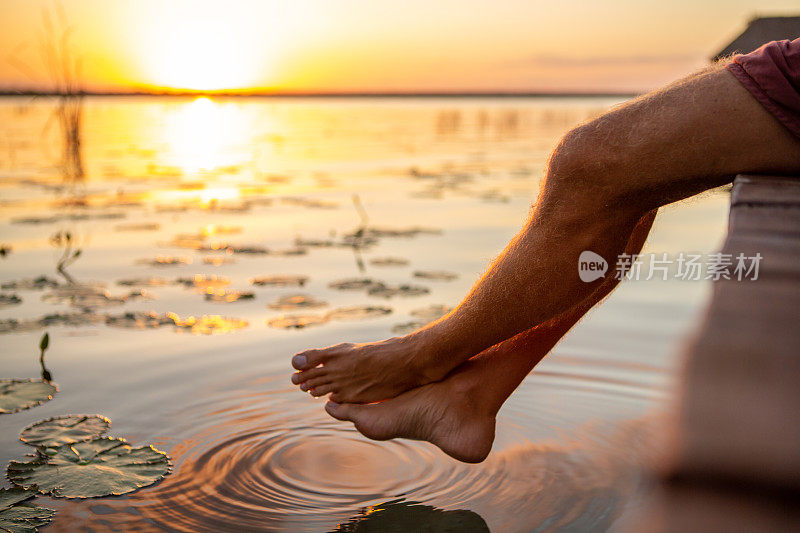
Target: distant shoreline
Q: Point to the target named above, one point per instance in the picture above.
(334, 94)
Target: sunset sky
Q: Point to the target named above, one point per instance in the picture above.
(378, 45)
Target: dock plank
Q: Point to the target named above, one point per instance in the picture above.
(734, 457)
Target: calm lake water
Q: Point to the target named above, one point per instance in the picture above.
(187, 201)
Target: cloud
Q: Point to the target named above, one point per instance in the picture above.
(554, 61)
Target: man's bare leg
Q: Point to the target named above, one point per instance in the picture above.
(458, 413)
(601, 179)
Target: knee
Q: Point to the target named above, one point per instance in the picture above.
(585, 171)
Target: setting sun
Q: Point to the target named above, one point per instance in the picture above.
(202, 55)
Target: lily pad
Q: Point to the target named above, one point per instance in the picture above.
(431, 312)
(42, 282)
(139, 320)
(17, 515)
(143, 282)
(9, 299)
(358, 312)
(296, 301)
(67, 429)
(227, 296)
(99, 467)
(355, 284)
(407, 327)
(166, 260)
(280, 281)
(436, 275)
(388, 261)
(218, 260)
(199, 281)
(388, 291)
(83, 296)
(18, 394)
(297, 321)
(289, 251)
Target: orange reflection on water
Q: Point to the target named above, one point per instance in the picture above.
(201, 134)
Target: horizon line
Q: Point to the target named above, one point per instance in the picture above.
(325, 94)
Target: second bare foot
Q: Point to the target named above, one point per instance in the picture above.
(369, 372)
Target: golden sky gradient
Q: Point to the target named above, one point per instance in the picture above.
(378, 45)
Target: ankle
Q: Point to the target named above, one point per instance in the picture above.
(433, 355)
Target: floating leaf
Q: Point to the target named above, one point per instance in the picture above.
(139, 320)
(248, 249)
(9, 299)
(388, 261)
(289, 251)
(431, 312)
(99, 467)
(387, 291)
(206, 324)
(228, 296)
(297, 321)
(17, 515)
(355, 284)
(280, 281)
(18, 394)
(83, 296)
(143, 226)
(407, 327)
(42, 282)
(296, 301)
(143, 282)
(218, 260)
(436, 275)
(67, 429)
(204, 283)
(358, 312)
(166, 260)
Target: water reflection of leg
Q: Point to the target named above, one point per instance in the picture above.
(458, 413)
(400, 517)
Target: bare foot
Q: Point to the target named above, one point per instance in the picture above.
(369, 372)
(448, 414)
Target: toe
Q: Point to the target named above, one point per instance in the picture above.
(314, 383)
(321, 390)
(339, 411)
(300, 377)
(308, 359)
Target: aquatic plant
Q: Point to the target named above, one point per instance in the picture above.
(358, 312)
(67, 429)
(101, 466)
(388, 261)
(430, 312)
(436, 275)
(227, 296)
(19, 394)
(279, 281)
(18, 514)
(388, 291)
(297, 321)
(296, 301)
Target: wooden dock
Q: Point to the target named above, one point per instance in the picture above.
(734, 447)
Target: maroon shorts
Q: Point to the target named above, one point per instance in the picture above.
(772, 75)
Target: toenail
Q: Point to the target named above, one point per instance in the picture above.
(333, 404)
(295, 378)
(299, 360)
(304, 387)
